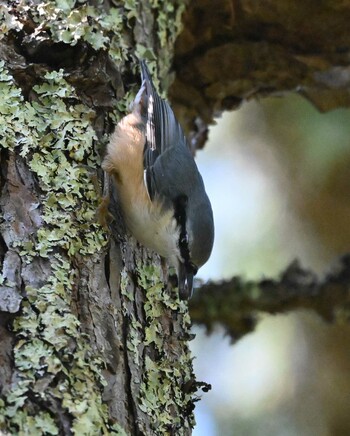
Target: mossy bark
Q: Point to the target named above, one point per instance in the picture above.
(92, 340)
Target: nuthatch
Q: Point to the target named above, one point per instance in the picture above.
(161, 192)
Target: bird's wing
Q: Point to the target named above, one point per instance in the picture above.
(163, 131)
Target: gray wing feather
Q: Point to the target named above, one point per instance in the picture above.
(164, 137)
(170, 170)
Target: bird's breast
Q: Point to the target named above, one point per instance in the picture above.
(154, 228)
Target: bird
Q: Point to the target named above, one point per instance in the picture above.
(160, 190)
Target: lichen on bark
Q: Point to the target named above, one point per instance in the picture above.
(53, 361)
(98, 341)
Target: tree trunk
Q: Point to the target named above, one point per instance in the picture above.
(93, 341)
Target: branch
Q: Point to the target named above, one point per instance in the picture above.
(235, 304)
(231, 51)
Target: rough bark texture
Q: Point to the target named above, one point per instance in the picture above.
(93, 341)
(236, 50)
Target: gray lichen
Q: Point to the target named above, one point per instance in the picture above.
(162, 395)
(50, 346)
(52, 132)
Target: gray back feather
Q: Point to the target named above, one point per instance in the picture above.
(171, 171)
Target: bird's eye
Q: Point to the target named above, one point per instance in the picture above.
(184, 239)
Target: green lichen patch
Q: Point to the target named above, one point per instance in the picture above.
(169, 25)
(8, 21)
(71, 22)
(52, 359)
(16, 117)
(161, 395)
(54, 134)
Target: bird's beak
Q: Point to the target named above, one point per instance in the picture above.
(185, 277)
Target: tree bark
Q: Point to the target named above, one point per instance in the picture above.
(93, 341)
(233, 51)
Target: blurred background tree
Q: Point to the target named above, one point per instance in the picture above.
(277, 171)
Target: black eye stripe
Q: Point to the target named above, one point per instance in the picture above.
(180, 204)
